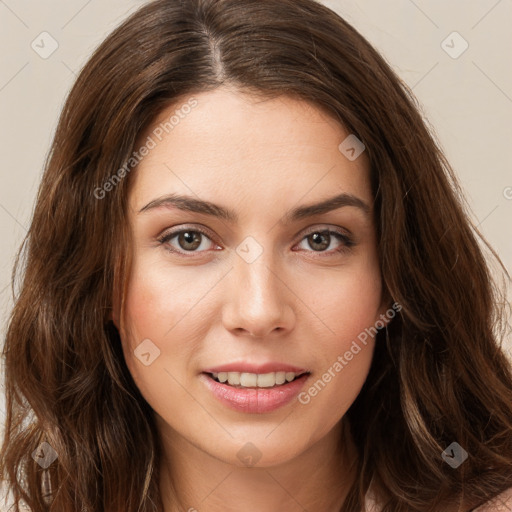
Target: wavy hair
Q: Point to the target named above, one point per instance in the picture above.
(440, 376)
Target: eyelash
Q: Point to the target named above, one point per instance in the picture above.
(347, 241)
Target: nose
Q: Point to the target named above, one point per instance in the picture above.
(259, 300)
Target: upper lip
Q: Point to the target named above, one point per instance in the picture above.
(244, 367)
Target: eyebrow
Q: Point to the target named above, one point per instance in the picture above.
(191, 204)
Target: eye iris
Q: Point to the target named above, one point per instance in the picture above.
(189, 237)
(315, 237)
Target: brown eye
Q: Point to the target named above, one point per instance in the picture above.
(186, 241)
(189, 240)
(319, 241)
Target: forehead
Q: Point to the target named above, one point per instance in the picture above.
(236, 145)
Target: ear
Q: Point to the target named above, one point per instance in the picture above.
(114, 318)
(114, 313)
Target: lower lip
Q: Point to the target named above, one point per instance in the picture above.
(255, 400)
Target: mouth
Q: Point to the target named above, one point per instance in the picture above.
(255, 393)
(242, 380)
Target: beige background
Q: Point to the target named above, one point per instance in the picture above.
(467, 99)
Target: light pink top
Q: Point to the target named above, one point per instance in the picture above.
(502, 503)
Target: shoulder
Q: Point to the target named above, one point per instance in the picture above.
(501, 503)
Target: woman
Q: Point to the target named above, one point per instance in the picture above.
(250, 284)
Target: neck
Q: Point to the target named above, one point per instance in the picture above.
(317, 479)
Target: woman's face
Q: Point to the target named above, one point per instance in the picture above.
(234, 276)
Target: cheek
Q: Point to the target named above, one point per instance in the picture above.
(346, 354)
(141, 310)
(349, 308)
(351, 302)
(331, 393)
(154, 303)
(156, 300)
(167, 307)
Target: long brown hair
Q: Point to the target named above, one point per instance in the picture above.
(440, 376)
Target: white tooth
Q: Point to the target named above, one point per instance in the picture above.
(248, 379)
(234, 378)
(252, 380)
(289, 376)
(266, 380)
(280, 378)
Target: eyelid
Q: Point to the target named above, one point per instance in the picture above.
(344, 236)
(326, 227)
(344, 233)
(176, 230)
(206, 231)
(171, 233)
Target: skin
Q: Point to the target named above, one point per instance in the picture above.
(297, 302)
